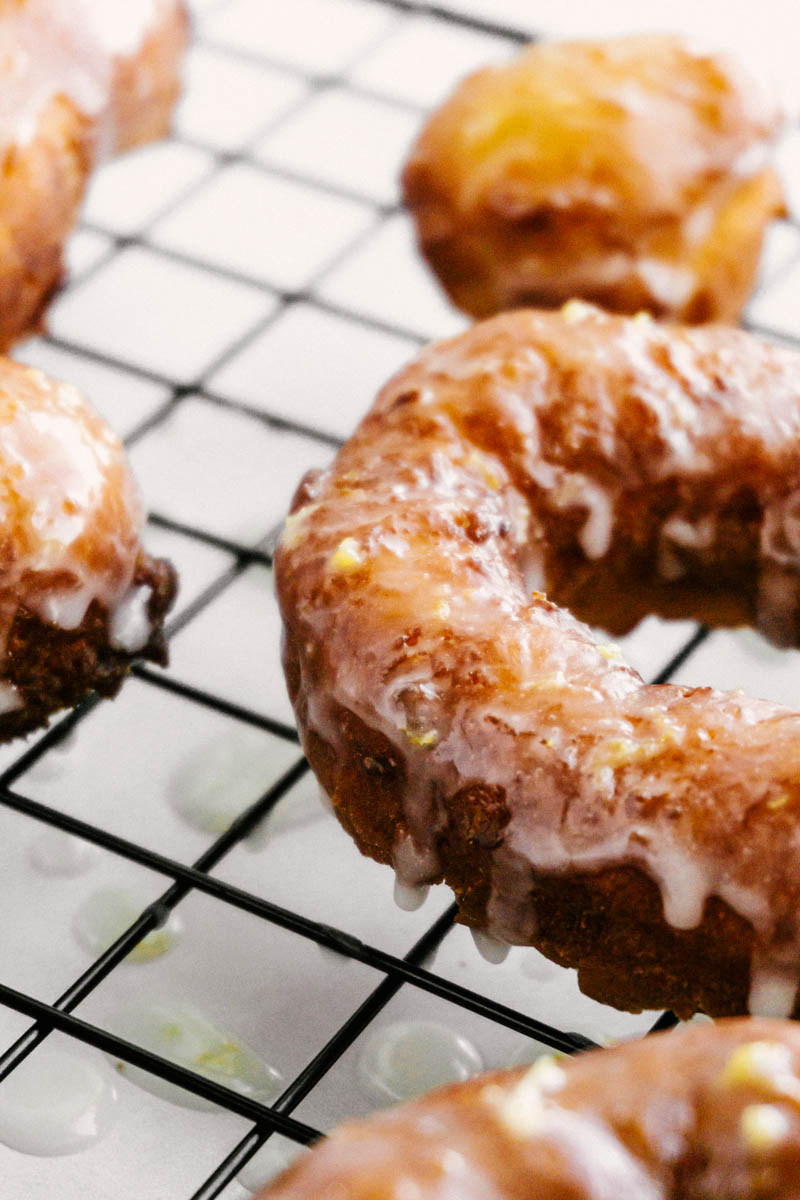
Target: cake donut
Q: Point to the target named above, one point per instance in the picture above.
(706, 1113)
(468, 728)
(630, 172)
(79, 598)
(81, 79)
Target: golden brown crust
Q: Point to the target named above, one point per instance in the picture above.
(469, 730)
(41, 188)
(629, 173)
(706, 1113)
(78, 100)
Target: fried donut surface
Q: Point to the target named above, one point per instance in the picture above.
(80, 78)
(468, 729)
(630, 172)
(706, 1113)
(79, 599)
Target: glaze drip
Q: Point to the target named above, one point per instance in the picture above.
(476, 687)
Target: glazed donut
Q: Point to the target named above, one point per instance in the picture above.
(81, 78)
(79, 598)
(630, 172)
(707, 1113)
(468, 729)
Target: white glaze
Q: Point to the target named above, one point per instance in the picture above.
(10, 699)
(409, 896)
(772, 994)
(66, 49)
(68, 507)
(490, 948)
(669, 282)
(60, 1100)
(186, 1036)
(412, 865)
(596, 769)
(106, 914)
(130, 625)
(408, 1058)
(576, 490)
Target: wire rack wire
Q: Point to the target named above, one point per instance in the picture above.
(238, 557)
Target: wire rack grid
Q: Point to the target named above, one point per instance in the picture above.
(238, 292)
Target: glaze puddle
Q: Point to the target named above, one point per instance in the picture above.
(186, 1037)
(56, 853)
(107, 913)
(58, 758)
(58, 1101)
(408, 1058)
(228, 775)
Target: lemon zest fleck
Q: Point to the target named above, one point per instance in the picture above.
(421, 739)
(347, 556)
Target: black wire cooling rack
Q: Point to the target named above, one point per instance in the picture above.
(180, 880)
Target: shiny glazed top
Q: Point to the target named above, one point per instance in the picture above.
(631, 171)
(707, 1113)
(51, 48)
(70, 516)
(639, 125)
(531, 449)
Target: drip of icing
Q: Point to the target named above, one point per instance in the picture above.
(130, 623)
(106, 914)
(408, 1058)
(10, 699)
(185, 1036)
(57, 853)
(772, 993)
(490, 948)
(698, 536)
(269, 1161)
(410, 896)
(58, 1101)
(549, 706)
(576, 490)
(684, 887)
(412, 865)
(669, 283)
